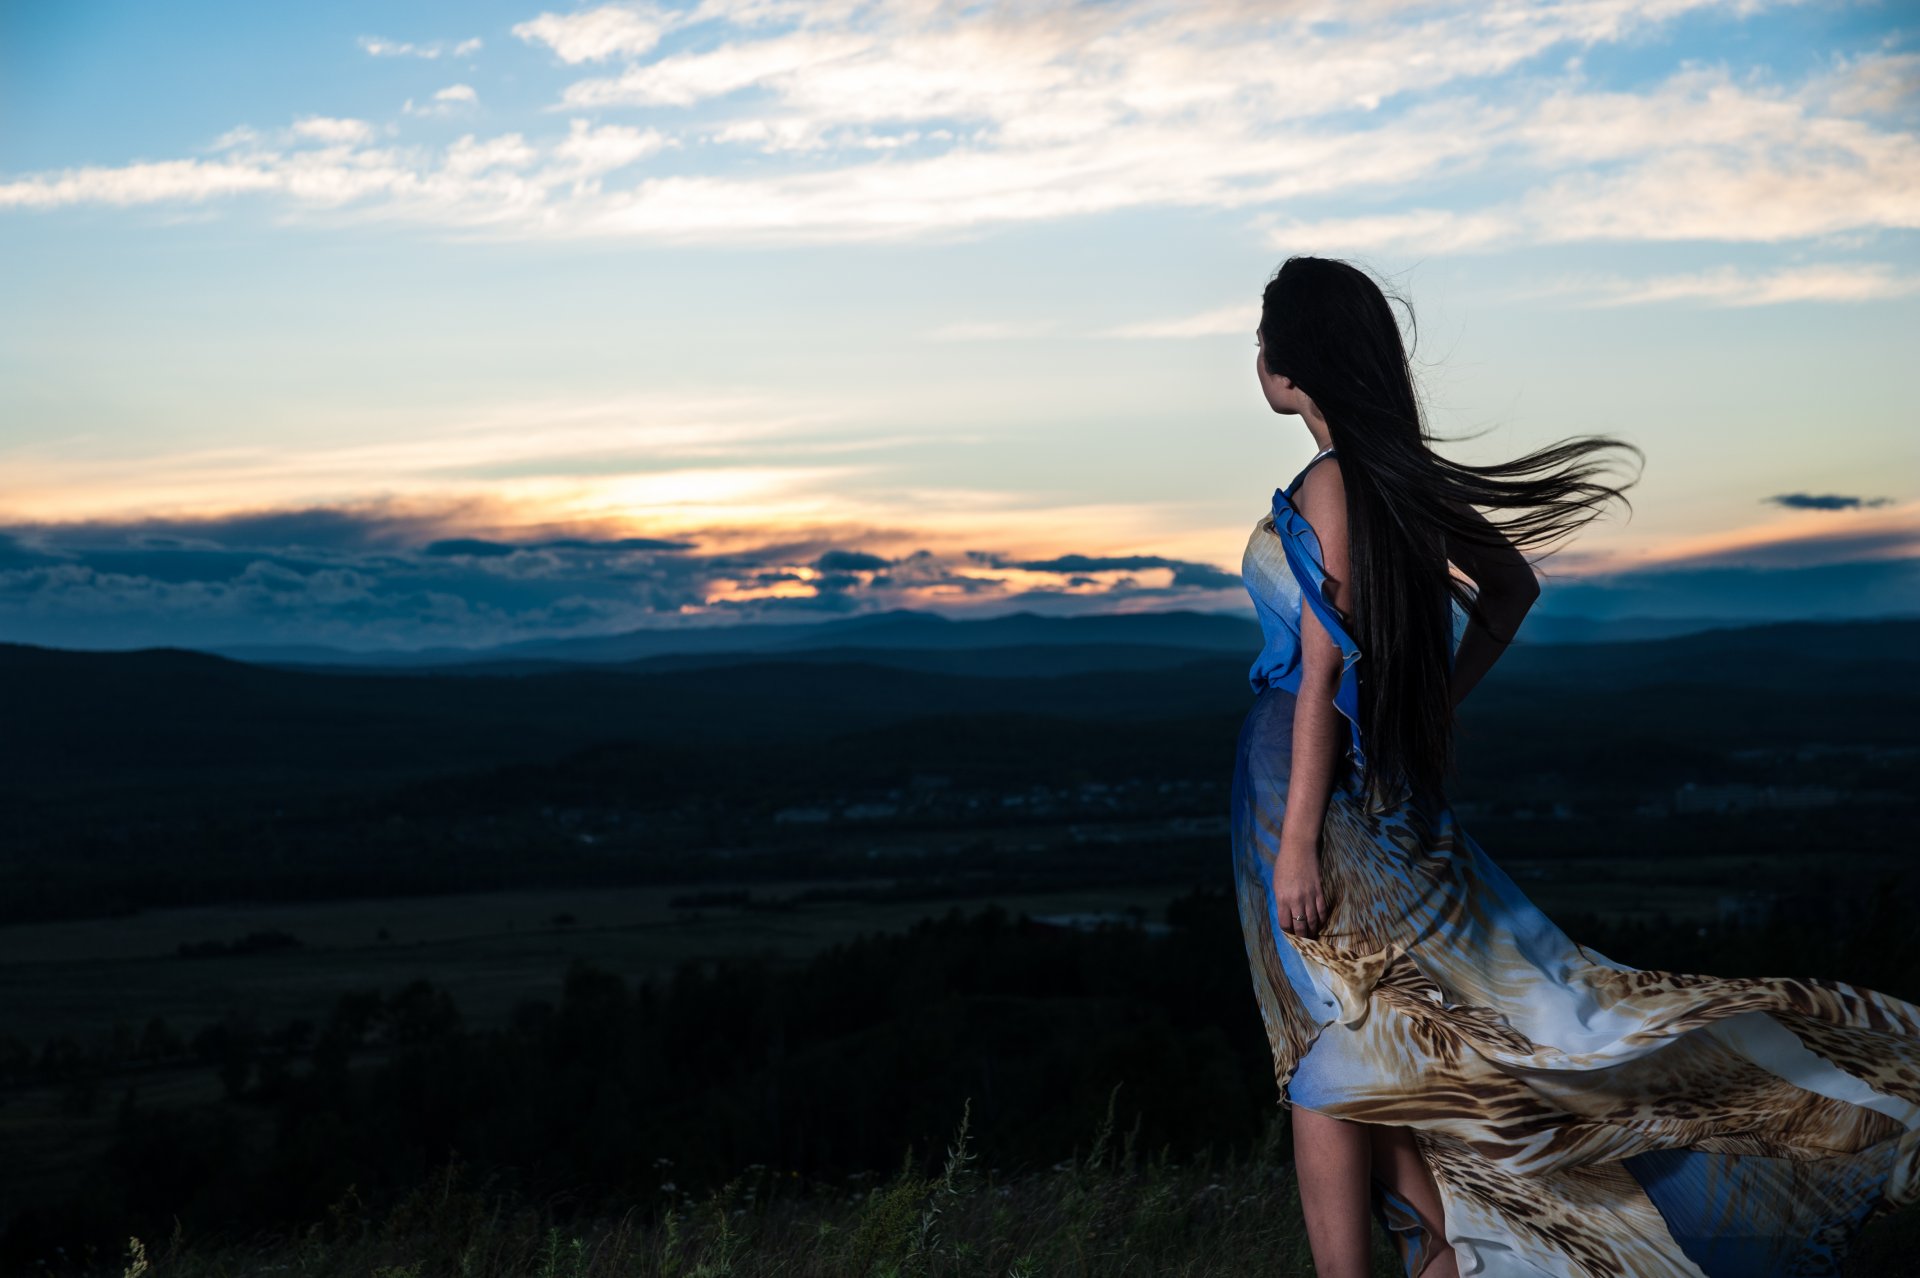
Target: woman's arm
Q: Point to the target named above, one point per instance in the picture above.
(1319, 730)
(1506, 588)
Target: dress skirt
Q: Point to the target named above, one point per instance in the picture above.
(1579, 1116)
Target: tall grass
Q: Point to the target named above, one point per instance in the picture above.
(1108, 1212)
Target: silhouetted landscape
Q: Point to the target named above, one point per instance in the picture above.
(600, 930)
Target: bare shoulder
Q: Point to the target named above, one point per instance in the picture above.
(1322, 500)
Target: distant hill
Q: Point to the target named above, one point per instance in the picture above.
(99, 716)
(1015, 661)
(1851, 656)
(900, 628)
(165, 775)
(1109, 640)
(110, 721)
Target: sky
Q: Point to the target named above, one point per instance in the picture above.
(391, 326)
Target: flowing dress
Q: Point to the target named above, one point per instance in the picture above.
(1579, 1116)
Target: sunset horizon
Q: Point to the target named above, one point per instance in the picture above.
(517, 323)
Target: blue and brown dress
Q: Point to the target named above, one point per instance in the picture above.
(1579, 1116)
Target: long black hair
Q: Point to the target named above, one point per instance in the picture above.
(1327, 326)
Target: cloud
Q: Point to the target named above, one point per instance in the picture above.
(469, 182)
(383, 48)
(1430, 230)
(1876, 82)
(594, 35)
(475, 547)
(1081, 568)
(390, 574)
(684, 79)
(588, 151)
(1730, 286)
(1894, 544)
(1724, 286)
(163, 182)
(398, 572)
(850, 560)
(455, 97)
(681, 455)
(901, 121)
(1699, 157)
(321, 129)
(1831, 501)
(1812, 535)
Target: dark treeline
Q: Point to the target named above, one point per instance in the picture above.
(641, 1094)
(162, 778)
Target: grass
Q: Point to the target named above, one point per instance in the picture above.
(1109, 1213)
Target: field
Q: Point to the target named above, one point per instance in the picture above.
(245, 968)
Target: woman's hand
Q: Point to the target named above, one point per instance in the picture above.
(1297, 891)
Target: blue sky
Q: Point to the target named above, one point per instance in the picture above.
(683, 315)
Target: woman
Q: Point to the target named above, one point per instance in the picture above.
(1503, 1100)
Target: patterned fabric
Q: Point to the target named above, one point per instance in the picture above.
(1579, 1116)
(1282, 553)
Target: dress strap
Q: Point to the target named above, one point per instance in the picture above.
(1311, 462)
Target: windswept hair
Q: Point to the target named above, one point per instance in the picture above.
(1327, 326)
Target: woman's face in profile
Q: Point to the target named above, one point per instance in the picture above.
(1282, 395)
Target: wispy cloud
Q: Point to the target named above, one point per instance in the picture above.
(1698, 157)
(383, 48)
(1730, 286)
(900, 121)
(1808, 537)
(455, 97)
(317, 128)
(1428, 229)
(601, 451)
(326, 164)
(594, 35)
